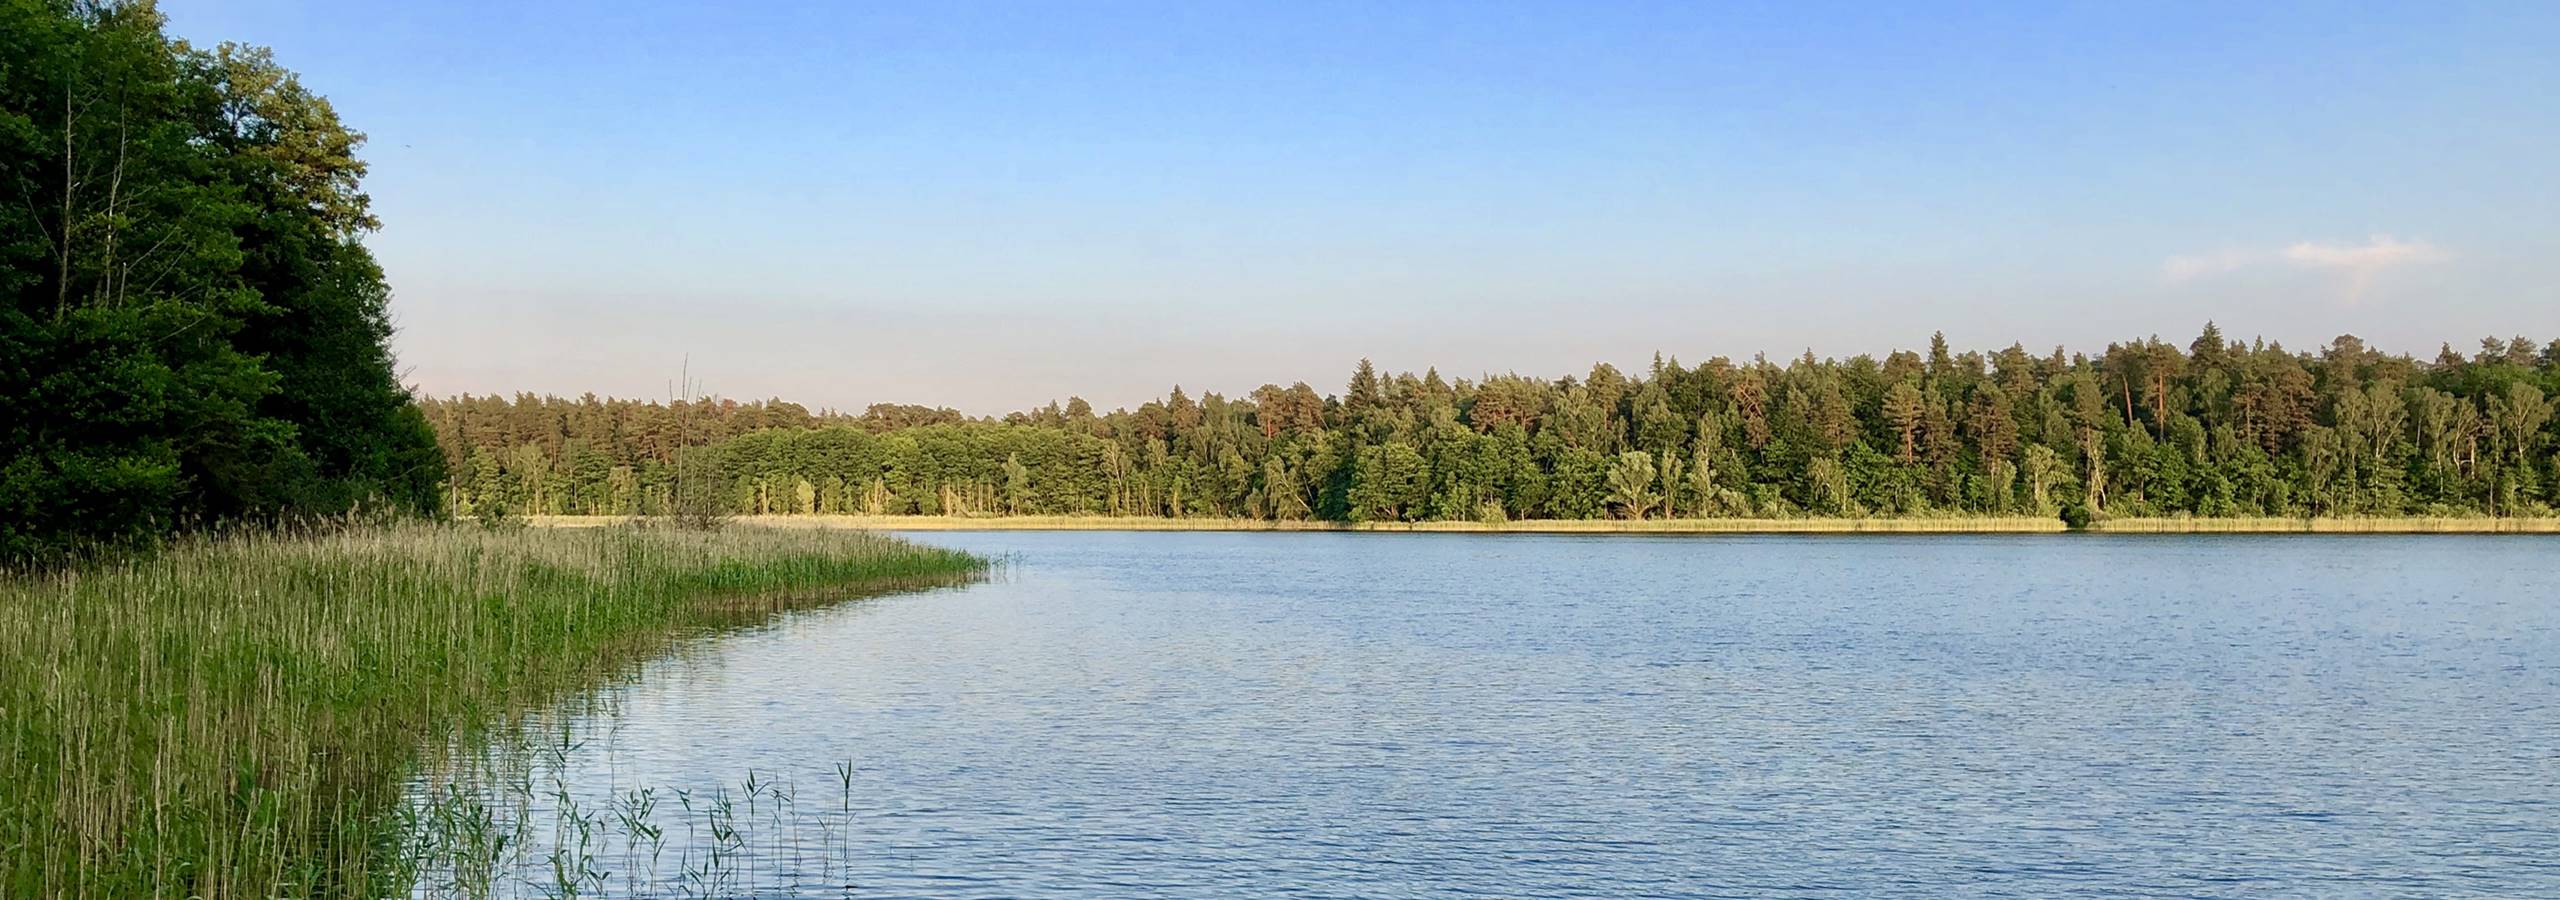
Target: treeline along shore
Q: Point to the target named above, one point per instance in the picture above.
(2221, 429)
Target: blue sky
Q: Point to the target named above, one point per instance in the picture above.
(993, 205)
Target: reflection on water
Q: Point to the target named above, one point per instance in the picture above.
(1354, 715)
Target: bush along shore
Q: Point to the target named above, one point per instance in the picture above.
(235, 717)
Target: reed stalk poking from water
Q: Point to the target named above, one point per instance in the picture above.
(234, 717)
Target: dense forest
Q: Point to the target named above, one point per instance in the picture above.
(2218, 427)
(191, 332)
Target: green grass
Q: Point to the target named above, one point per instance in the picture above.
(235, 717)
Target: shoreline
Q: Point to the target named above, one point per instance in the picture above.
(1951, 525)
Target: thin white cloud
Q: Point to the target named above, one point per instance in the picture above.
(2360, 262)
(2381, 251)
(2198, 265)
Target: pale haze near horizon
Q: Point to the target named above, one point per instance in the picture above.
(991, 206)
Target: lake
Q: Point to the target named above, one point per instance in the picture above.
(1325, 714)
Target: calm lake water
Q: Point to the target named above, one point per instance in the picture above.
(1123, 714)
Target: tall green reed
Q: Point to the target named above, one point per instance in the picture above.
(235, 716)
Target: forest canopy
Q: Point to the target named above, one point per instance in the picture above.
(2218, 427)
(192, 332)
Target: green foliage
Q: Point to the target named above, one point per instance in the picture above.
(1631, 479)
(492, 513)
(193, 333)
(2144, 429)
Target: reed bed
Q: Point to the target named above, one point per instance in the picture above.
(235, 717)
(522, 816)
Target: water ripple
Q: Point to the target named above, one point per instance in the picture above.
(1325, 715)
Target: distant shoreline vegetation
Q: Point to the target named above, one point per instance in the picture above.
(2218, 430)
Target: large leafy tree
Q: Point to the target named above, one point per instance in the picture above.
(189, 331)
